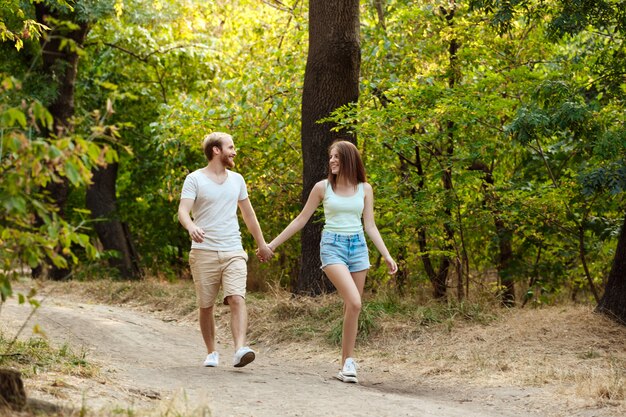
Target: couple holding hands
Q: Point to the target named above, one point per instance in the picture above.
(213, 194)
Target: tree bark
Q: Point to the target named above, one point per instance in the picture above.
(12, 393)
(613, 301)
(331, 80)
(114, 236)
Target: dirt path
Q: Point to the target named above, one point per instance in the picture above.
(151, 364)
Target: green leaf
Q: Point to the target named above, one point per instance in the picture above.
(13, 116)
(72, 173)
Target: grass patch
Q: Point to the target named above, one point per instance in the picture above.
(451, 313)
(36, 355)
(288, 319)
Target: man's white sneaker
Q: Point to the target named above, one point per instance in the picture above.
(212, 359)
(243, 356)
(348, 372)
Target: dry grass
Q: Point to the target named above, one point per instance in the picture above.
(176, 300)
(569, 347)
(568, 350)
(49, 370)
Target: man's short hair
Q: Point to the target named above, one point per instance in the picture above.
(211, 140)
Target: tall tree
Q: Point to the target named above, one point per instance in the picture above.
(32, 157)
(61, 49)
(59, 55)
(331, 80)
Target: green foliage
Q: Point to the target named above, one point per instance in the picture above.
(32, 230)
(522, 113)
(15, 27)
(177, 75)
(421, 113)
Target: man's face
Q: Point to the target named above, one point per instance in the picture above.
(228, 153)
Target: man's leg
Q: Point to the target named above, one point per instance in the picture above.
(239, 326)
(238, 319)
(234, 284)
(207, 327)
(206, 277)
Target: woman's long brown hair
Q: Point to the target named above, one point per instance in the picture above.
(350, 163)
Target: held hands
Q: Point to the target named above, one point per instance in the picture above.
(264, 253)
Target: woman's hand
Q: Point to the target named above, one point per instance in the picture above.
(391, 265)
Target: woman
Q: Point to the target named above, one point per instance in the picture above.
(347, 199)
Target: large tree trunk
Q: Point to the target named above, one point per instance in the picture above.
(61, 64)
(331, 80)
(114, 236)
(613, 301)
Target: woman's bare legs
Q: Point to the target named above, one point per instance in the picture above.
(350, 288)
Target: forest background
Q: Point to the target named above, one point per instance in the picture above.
(492, 132)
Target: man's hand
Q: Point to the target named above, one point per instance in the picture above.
(196, 234)
(264, 253)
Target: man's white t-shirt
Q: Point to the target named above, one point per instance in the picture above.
(215, 209)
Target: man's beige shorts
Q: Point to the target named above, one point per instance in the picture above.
(210, 269)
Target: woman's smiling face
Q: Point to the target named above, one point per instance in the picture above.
(334, 163)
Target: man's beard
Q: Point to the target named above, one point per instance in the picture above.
(226, 161)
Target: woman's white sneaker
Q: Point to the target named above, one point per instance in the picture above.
(348, 372)
(346, 378)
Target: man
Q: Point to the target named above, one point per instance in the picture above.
(217, 258)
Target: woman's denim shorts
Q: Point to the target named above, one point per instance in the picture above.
(348, 250)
